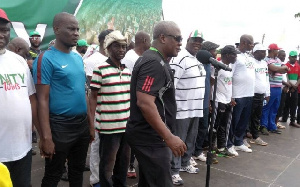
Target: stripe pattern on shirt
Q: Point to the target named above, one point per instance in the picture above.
(113, 98)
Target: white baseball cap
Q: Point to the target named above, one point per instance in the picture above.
(259, 47)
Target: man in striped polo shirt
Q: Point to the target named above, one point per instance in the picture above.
(110, 99)
(189, 82)
(292, 95)
(275, 77)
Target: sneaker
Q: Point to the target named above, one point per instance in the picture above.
(189, 169)
(275, 131)
(243, 148)
(225, 153)
(201, 157)
(264, 131)
(214, 160)
(193, 162)
(177, 180)
(131, 172)
(231, 150)
(280, 126)
(258, 141)
(246, 143)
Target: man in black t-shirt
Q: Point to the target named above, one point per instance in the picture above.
(153, 108)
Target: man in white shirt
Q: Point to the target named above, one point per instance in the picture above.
(242, 94)
(90, 63)
(142, 43)
(189, 82)
(261, 92)
(98, 57)
(17, 110)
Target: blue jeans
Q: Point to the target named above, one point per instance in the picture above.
(269, 111)
(240, 119)
(202, 132)
(114, 160)
(20, 171)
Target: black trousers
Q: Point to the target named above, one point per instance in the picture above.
(71, 137)
(290, 107)
(298, 110)
(154, 166)
(256, 112)
(223, 113)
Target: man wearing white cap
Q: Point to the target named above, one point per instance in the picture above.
(110, 100)
(261, 92)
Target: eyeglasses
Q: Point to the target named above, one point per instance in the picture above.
(176, 38)
(35, 37)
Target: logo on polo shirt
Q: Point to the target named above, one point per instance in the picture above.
(228, 80)
(11, 81)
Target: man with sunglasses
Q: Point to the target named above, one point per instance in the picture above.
(189, 83)
(153, 108)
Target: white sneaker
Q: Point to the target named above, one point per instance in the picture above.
(246, 143)
(201, 157)
(233, 151)
(189, 169)
(243, 148)
(177, 180)
(193, 162)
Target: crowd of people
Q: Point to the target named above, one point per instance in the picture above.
(152, 102)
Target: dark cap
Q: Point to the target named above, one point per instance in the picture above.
(102, 35)
(229, 49)
(209, 46)
(3, 15)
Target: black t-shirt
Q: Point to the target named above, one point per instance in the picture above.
(150, 74)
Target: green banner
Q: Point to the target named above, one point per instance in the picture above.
(128, 16)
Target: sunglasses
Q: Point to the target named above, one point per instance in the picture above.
(35, 37)
(176, 38)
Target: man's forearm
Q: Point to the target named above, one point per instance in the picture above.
(35, 120)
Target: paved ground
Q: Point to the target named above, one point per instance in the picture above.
(275, 165)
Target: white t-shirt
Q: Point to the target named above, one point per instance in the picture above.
(93, 61)
(224, 85)
(243, 78)
(262, 85)
(16, 85)
(189, 82)
(130, 59)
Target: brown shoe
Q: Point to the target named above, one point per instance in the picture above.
(294, 125)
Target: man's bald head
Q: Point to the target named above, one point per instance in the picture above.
(142, 41)
(19, 46)
(246, 43)
(164, 27)
(62, 18)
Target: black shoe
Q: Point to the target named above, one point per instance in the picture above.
(34, 137)
(294, 125)
(276, 131)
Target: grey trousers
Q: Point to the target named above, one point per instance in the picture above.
(186, 130)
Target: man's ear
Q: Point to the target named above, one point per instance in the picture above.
(56, 29)
(162, 38)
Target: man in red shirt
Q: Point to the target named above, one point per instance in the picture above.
(293, 78)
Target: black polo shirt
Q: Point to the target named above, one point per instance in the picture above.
(149, 75)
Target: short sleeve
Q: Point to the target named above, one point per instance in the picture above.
(89, 66)
(96, 78)
(42, 70)
(179, 69)
(150, 77)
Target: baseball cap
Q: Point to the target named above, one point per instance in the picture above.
(259, 47)
(293, 53)
(34, 33)
(81, 43)
(3, 15)
(274, 47)
(209, 46)
(196, 34)
(229, 49)
(114, 36)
